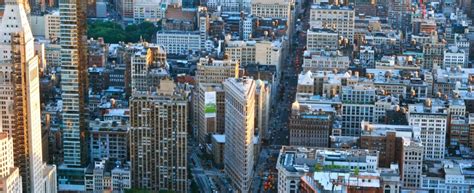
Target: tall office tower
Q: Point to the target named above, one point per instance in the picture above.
(19, 92)
(158, 138)
(10, 179)
(74, 89)
(239, 131)
(147, 65)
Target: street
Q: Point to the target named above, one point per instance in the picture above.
(279, 115)
(213, 180)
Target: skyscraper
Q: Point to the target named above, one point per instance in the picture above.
(239, 131)
(19, 94)
(73, 80)
(158, 139)
(74, 88)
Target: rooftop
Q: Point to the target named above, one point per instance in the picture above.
(382, 130)
(177, 13)
(430, 106)
(303, 159)
(332, 7)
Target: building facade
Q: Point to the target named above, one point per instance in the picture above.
(158, 139)
(108, 139)
(179, 42)
(74, 87)
(339, 18)
(20, 96)
(454, 57)
(146, 10)
(411, 162)
(325, 61)
(309, 127)
(271, 9)
(108, 176)
(322, 39)
(9, 174)
(240, 131)
(432, 118)
(148, 65)
(211, 110)
(74, 80)
(124, 8)
(256, 52)
(357, 106)
(298, 165)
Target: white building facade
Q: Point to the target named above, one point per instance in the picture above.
(239, 130)
(432, 119)
(177, 42)
(10, 179)
(148, 10)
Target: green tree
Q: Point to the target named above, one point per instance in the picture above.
(356, 171)
(318, 167)
(167, 191)
(113, 32)
(194, 187)
(136, 190)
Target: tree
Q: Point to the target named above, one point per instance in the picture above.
(167, 191)
(318, 167)
(194, 187)
(136, 190)
(113, 32)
